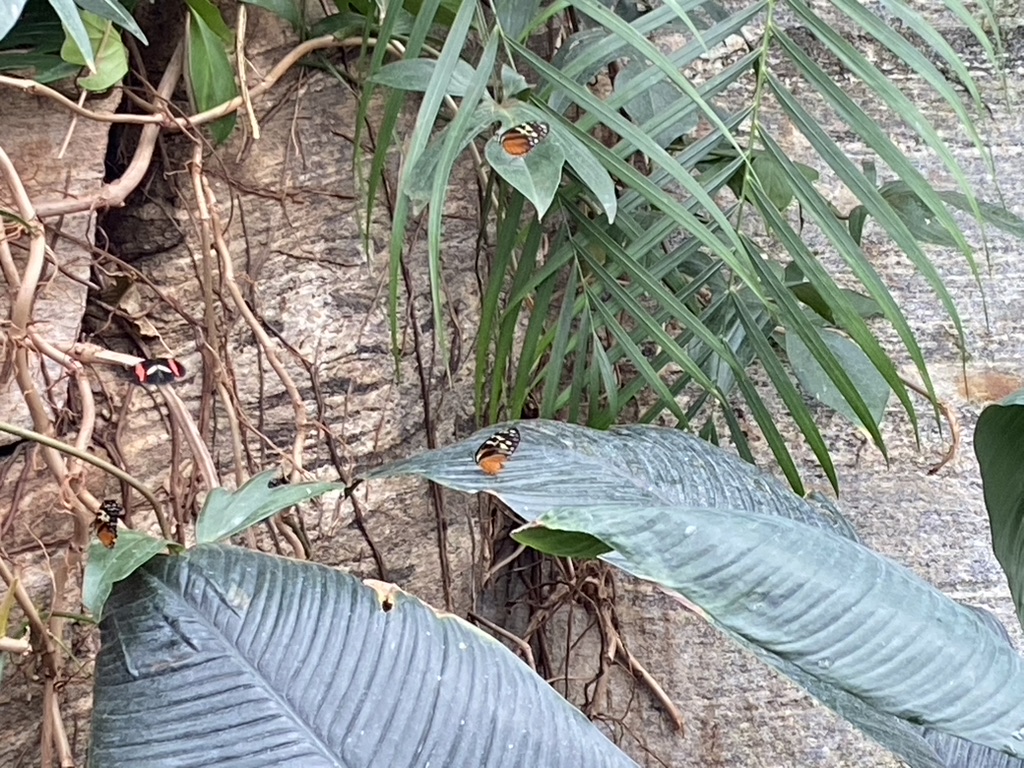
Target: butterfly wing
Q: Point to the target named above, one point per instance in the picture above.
(520, 140)
(496, 450)
(159, 371)
(107, 517)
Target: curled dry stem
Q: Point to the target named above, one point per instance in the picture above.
(158, 117)
(950, 415)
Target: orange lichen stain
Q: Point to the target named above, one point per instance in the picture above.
(988, 386)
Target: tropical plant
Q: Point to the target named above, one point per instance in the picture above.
(787, 579)
(675, 258)
(664, 256)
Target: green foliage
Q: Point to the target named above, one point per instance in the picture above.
(999, 446)
(211, 77)
(783, 576)
(111, 57)
(816, 382)
(32, 33)
(224, 514)
(655, 292)
(290, 10)
(108, 566)
(33, 47)
(324, 667)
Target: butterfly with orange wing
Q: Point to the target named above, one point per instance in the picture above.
(520, 140)
(107, 517)
(496, 450)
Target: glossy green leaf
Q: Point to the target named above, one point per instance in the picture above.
(561, 543)
(226, 513)
(210, 14)
(211, 78)
(999, 446)
(107, 566)
(111, 57)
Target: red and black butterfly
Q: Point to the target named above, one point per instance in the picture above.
(159, 371)
(520, 140)
(107, 517)
(496, 450)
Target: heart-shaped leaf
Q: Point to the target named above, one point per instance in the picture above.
(536, 175)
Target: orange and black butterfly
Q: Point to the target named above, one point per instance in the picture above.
(520, 140)
(496, 450)
(107, 517)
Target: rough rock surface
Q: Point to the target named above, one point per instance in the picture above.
(303, 265)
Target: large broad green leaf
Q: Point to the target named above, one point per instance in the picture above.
(999, 446)
(639, 464)
(229, 657)
(865, 636)
(226, 513)
(841, 613)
